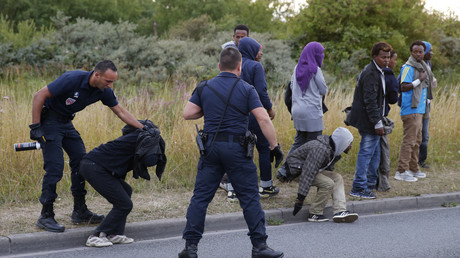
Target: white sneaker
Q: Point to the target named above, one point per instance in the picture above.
(95, 241)
(418, 174)
(231, 197)
(406, 176)
(223, 186)
(120, 239)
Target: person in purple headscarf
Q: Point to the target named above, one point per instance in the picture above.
(308, 89)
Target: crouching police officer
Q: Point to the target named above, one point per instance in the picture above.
(225, 102)
(53, 109)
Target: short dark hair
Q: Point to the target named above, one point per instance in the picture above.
(229, 59)
(392, 53)
(103, 66)
(417, 43)
(241, 27)
(380, 46)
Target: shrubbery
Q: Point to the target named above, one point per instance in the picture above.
(140, 59)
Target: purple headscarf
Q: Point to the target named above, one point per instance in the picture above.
(311, 58)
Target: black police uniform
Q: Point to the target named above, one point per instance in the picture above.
(106, 166)
(71, 93)
(224, 153)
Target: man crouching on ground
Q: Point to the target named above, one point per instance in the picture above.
(314, 162)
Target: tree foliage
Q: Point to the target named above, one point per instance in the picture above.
(347, 27)
(112, 11)
(258, 15)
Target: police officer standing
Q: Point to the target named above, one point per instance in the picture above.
(225, 102)
(54, 107)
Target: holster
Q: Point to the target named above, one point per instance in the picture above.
(248, 142)
(201, 139)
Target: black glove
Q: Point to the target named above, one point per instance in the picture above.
(297, 206)
(277, 154)
(36, 133)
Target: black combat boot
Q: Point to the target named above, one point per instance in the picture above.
(46, 220)
(190, 251)
(263, 251)
(81, 214)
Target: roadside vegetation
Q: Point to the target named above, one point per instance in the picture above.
(158, 72)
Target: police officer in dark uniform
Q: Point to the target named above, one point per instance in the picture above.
(54, 107)
(225, 126)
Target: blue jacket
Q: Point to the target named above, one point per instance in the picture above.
(252, 71)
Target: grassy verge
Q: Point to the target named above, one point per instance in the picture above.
(22, 173)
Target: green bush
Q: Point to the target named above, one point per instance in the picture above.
(140, 59)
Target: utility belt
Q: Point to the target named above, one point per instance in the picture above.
(48, 113)
(247, 141)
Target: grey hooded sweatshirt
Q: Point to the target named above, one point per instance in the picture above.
(317, 155)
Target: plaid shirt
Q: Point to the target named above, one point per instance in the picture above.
(309, 159)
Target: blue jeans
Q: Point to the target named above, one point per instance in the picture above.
(424, 145)
(367, 163)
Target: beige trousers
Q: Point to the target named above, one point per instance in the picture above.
(328, 183)
(412, 137)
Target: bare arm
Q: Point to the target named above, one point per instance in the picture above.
(125, 116)
(266, 125)
(193, 111)
(37, 104)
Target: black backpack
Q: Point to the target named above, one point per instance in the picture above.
(288, 97)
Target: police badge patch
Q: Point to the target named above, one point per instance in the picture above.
(69, 101)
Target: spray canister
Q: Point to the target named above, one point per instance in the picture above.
(27, 146)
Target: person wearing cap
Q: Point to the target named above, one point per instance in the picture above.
(423, 152)
(416, 79)
(313, 162)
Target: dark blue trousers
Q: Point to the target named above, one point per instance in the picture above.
(220, 158)
(61, 135)
(115, 190)
(263, 148)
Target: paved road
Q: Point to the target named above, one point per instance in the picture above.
(419, 233)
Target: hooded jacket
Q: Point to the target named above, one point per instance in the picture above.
(252, 71)
(150, 150)
(316, 156)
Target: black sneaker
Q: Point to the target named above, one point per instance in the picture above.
(345, 217)
(263, 251)
(266, 192)
(366, 194)
(86, 216)
(317, 218)
(424, 165)
(190, 251)
(48, 223)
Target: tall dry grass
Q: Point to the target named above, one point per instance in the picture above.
(21, 173)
